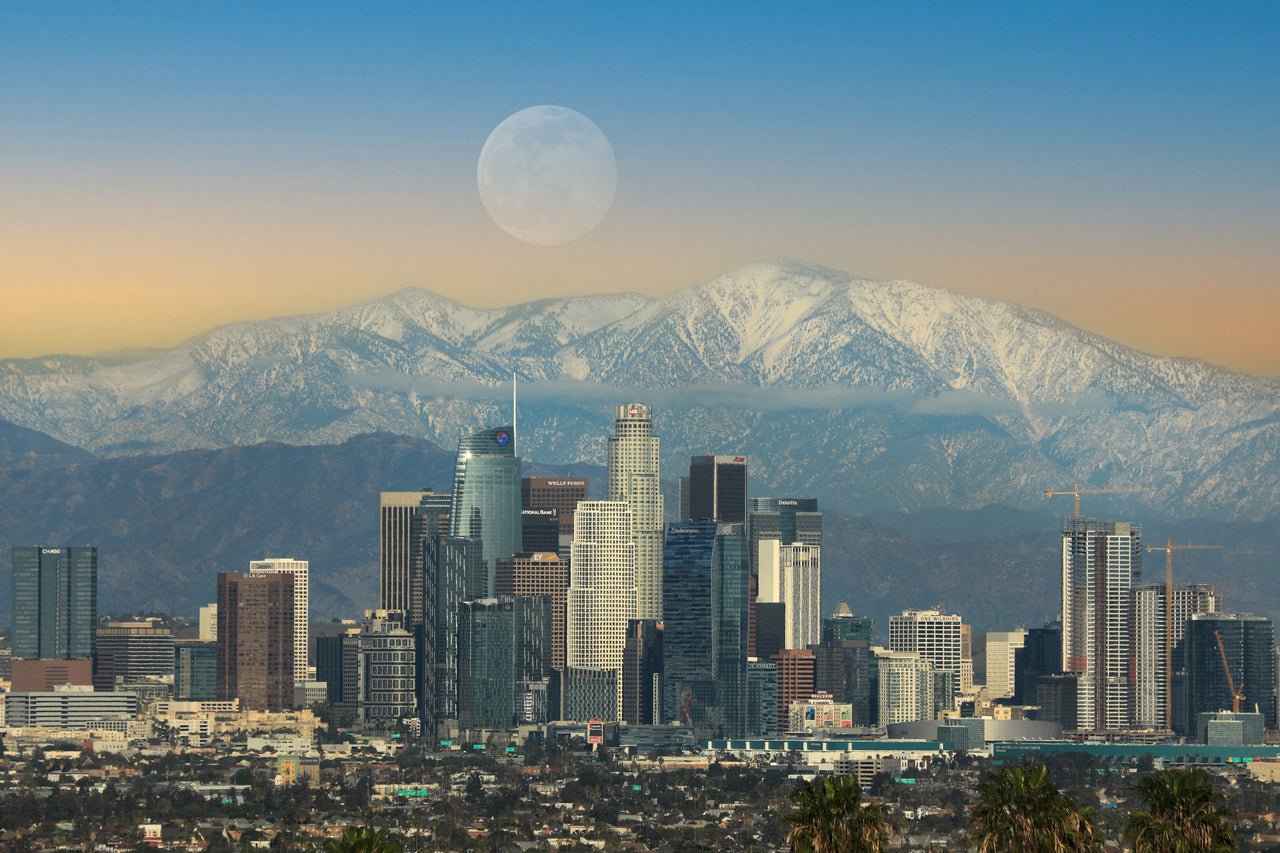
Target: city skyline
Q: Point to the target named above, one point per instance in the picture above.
(226, 167)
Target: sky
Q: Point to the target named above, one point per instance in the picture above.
(168, 167)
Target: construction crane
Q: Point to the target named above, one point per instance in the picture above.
(1077, 492)
(1168, 549)
(1236, 694)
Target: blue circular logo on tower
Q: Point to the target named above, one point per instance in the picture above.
(502, 438)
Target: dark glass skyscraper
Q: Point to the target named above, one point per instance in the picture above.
(704, 585)
(718, 489)
(642, 672)
(486, 497)
(730, 572)
(687, 653)
(55, 603)
(1249, 644)
(1040, 654)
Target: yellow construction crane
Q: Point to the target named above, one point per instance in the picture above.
(1168, 549)
(1236, 695)
(1077, 491)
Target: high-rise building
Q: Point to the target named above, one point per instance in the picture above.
(602, 588)
(486, 498)
(642, 673)
(195, 670)
(635, 478)
(1101, 560)
(905, 685)
(762, 698)
(406, 520)
(796, 672)
(687, 644)
(451, 560)
(730, 575)
(933, 635)
(562, 494)
(539, 530)
(1247, 642)
(300, 571)
(502, 652)
(795, 580)
(329, 666)
(773, 521)
(55, 603)
(545, 574)
(132, 651)
(1040, 654)
(386, 692)
(209, 623)
(1002, 650)
(843, 662)
(718, 489)
(770, 626)
(798, 519)
(255, 640)
(1155, 680)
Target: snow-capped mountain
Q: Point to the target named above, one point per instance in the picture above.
(872, 395)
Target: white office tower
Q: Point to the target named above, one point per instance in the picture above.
(1002, 646)
(301, 607)
(1153, 679)
(932, 634)
(209, 623)
(602, 588)
(792, 575)
(395, 526)
(1100, 562)
(905, 687)
(634, 478)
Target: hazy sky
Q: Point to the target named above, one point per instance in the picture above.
(165, 167)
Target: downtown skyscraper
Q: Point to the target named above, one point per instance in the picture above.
(602, 589)
(1101, 560)
(634, 478)
(300, 570)
(486, 500)
(55, 603)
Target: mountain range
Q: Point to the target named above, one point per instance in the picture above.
(941, 416)
(875, 396)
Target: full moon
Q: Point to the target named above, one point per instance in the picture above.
(547, 175)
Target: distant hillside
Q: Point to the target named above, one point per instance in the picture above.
(165, 525)
(877, 397)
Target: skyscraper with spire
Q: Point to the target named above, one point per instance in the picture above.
(486, 499)
(634, 478)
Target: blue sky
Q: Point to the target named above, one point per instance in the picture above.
(1021, 151)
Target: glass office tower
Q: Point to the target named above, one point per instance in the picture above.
(55, 603)
(486, 498)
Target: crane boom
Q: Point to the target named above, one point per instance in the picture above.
(1168, 547)
(1236, 695)
(1077, 492)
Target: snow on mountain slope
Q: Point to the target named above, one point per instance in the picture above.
(872, 394)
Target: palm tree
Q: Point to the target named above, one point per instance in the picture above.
(1020, 810)
(362, 839)
(829, 817)
(1184, 815)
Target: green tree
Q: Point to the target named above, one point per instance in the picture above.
(1020, 810)
(828, 816)
(1184, 814)
(362, 839)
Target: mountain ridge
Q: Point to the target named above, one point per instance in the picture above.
(919, 396)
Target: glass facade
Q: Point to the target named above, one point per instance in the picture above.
(195, 671)
(1249, 644)
(55, 602)
(486, 499)
(729, 583)
(718, 489)
(689, 690)
(486, 664)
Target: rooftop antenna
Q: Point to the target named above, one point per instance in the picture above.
(515, 433)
